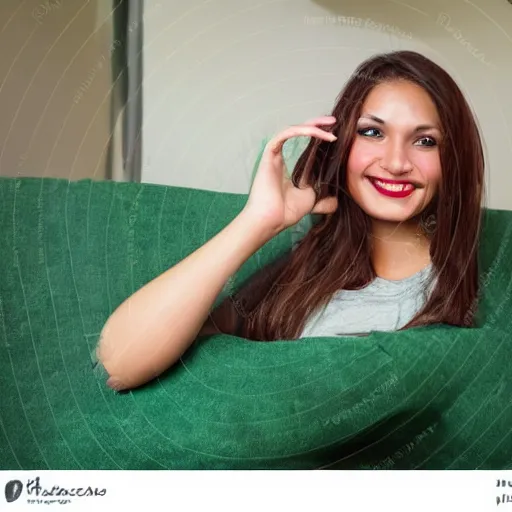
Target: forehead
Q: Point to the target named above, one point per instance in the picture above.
(389, 99)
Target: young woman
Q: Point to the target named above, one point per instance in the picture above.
(396, 174)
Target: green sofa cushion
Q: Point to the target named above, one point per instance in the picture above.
(430, 398)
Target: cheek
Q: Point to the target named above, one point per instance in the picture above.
(360, 158)
(429, 166)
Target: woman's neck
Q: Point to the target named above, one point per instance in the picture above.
(399, 250)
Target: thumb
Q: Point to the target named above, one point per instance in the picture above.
(326, 206)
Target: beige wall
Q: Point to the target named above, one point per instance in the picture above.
(220, 76)
(54, 87)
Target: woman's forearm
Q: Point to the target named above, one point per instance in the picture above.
(151, 329)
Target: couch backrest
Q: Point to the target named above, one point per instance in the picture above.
(108, 238)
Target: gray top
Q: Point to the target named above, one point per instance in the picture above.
(383, 305)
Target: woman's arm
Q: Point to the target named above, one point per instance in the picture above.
(151, 329)
(231, 316)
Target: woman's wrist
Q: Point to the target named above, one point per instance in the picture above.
(262, 228)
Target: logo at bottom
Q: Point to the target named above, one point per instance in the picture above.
(13, 490)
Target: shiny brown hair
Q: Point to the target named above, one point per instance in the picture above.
(335, 253)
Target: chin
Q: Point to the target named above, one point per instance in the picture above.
(385, 215)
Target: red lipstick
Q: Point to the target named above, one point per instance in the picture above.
(398, 188)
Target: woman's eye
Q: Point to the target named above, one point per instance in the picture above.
(426, 141)
(369, 132)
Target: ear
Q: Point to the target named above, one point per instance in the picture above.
(326, 206)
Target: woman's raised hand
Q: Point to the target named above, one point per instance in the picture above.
(273, 198)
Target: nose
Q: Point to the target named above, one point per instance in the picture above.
(395, 159)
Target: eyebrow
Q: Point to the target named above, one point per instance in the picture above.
(418, 128)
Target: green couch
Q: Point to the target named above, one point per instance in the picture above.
(430, 398)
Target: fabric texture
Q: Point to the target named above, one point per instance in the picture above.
(382, 305)
(428, 398)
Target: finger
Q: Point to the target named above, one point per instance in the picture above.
(276, 144)
(326, 206)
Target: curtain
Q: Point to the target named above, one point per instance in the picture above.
(125, 149)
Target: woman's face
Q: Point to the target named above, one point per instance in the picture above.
(394, 168)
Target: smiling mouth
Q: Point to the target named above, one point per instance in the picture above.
(393, 188)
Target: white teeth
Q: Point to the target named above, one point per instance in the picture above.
(394, 188)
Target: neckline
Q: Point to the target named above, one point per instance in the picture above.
(405, 280)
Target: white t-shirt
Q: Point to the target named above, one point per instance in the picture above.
(383, 305)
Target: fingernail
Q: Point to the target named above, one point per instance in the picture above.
(114, 384)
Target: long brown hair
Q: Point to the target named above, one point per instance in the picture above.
(335, 253)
